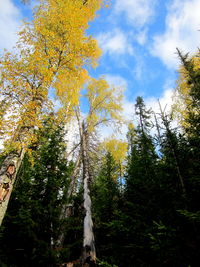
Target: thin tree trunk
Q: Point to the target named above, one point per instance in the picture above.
(8, 173)
(89, 252)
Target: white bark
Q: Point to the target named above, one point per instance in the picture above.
(88, 240)
(89, 252)
(15, 161)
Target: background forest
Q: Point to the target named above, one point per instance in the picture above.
(81, 201)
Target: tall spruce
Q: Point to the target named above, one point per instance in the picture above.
(140, 180)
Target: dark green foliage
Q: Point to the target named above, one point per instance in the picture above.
(142, 175)
(105, 190)
(72, 247)
(152, 222)
(105, 199)
(32, 223)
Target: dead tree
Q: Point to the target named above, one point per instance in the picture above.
(89, 252)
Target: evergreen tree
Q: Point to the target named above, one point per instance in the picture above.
(34, 211)
(106, 198)
(140, 206)
(142, 156)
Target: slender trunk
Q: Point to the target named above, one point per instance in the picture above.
(8, 173)
(89, 252)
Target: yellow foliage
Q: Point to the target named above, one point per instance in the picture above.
(105, 103)
(117, 148)
(53, 52)
(131, 126)
(182, 98)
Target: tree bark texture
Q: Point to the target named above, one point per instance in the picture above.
(8, 173)
(89, 252)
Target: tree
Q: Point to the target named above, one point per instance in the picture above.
(141, 143)
(34, 211)
(118, 150)
(106, 198)
(191, 80)
(187, 90)
(171, 141)
(104, 107)
(141, 176)
(53, 52)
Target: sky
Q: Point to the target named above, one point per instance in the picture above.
(138, 39)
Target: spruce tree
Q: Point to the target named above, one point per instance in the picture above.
(106, 198)
(140, 180)
(34, 212)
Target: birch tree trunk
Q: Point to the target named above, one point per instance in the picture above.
(8, 173)
(89, 252)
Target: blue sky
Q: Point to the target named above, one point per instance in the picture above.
(138, 39)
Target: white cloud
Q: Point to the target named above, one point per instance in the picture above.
(137, 12)
(10, 22)
(115, 42)
(116, 80)
(165, 101)
(142, 37)
(139, 68)
(182, 25)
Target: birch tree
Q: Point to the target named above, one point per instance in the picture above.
(52, 49)
(104, 108)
